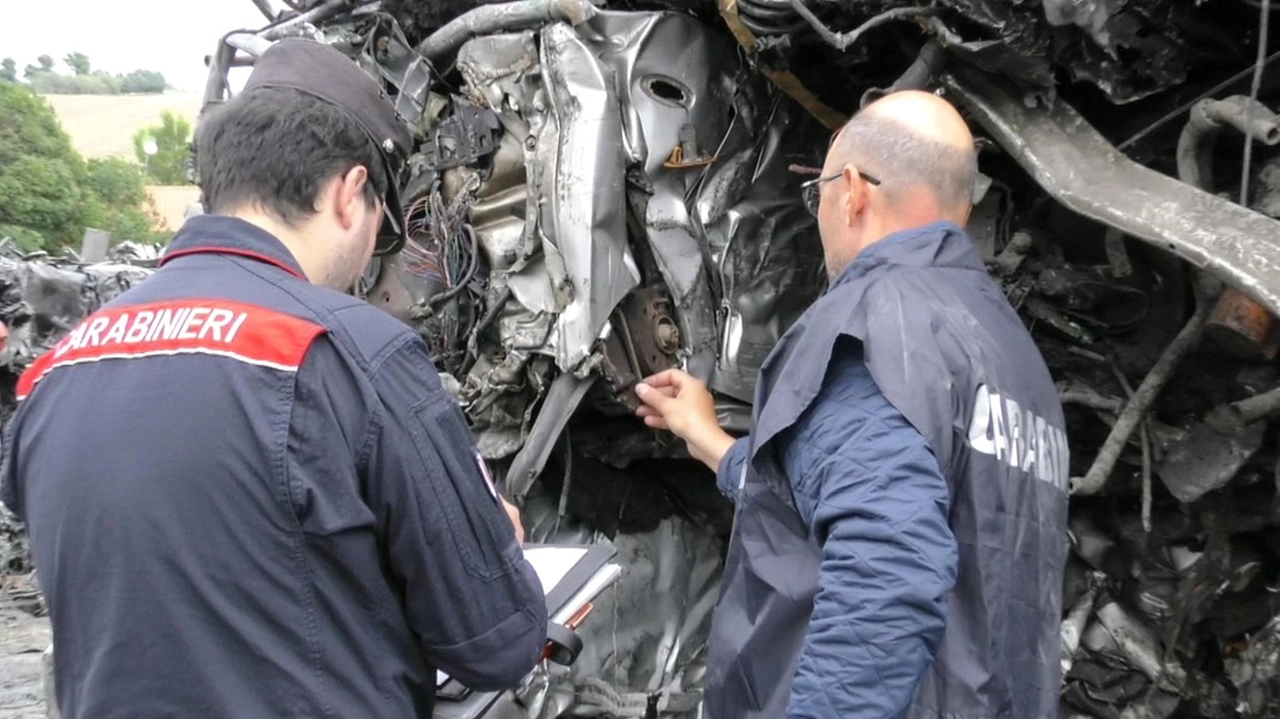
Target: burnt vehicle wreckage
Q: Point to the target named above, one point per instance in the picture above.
(604, 190)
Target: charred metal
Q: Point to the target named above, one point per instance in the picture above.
(603, 190)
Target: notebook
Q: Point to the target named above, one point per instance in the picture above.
(571, 576)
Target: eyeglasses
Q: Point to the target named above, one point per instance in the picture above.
(810, 191)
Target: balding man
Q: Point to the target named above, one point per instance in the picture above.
(901, 527)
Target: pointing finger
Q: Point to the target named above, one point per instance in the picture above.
(672, 378)
(655, 399)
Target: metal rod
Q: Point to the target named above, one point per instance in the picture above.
(1140, 402)
(264, 6)
(1259, 406)
(1253, 96)
(1092, 400)
(1145, 437)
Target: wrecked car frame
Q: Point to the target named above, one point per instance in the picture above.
(603, 190)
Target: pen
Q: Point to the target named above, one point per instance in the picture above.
(572, 624)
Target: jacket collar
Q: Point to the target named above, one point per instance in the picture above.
(938, 244)
(225, 235)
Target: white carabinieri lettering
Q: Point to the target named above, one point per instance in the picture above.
(186, 323)
(1002, 428)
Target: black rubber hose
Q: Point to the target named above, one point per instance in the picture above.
(764, 29)
(770, 18)
(766, 12)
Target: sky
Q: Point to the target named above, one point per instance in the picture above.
(120, 36)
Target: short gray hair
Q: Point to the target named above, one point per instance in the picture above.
(901, 158)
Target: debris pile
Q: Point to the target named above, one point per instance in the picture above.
(41, 298)
(542, 305)
(1170, 604)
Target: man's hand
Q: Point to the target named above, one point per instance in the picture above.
(514, 515)
(675, 401)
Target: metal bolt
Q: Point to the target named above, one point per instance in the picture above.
(667, 334)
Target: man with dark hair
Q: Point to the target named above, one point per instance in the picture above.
(247, 493)
(901, 501)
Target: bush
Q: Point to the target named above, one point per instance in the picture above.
(40, 173)
(118, 196)
(48, 193)
(172, 136)
(143, 81)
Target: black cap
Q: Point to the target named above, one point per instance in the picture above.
(324, 72)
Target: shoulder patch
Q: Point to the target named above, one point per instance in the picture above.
(242, 332)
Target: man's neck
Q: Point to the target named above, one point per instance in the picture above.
(291, 238)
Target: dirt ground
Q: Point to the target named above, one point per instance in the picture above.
(22, 640)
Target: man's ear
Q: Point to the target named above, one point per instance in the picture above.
(349, 195)
(855, 199)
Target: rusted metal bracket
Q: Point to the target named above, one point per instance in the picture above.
(785, 81)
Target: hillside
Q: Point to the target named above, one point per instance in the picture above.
(104, 125)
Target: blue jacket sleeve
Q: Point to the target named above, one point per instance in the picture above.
(469, 593)
(874, 498)
(729, 474)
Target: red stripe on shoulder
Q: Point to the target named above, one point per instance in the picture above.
(242, 332)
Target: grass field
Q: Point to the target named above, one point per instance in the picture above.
(104, 125)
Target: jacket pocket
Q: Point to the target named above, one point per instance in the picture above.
(477, 524)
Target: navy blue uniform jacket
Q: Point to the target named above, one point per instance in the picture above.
(249, 496)
(900, 536)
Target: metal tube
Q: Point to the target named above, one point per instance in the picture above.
(1199, 137)
(1080, 169)
(488, 19)
(1238, 324)
(254, 45)
(314, 15)
(1259, 406)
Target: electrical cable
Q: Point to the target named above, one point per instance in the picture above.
(842, 41)
(1263, 28)
(468, 276)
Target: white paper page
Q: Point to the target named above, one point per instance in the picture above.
(552, 563)
(597, 584)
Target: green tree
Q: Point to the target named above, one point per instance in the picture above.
(168, 166)
(48, 193)
(40, 173)
(97, 83)
(143, 81)
(78, 62)
(46, 63)
(8, 70)
(118, 199)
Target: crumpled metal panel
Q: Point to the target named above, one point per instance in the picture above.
(578, 177)
(666, 66)
(40, 301)
(765, 245)
(558, 163)
(647, 633)
(727, 229)
(735, 224)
